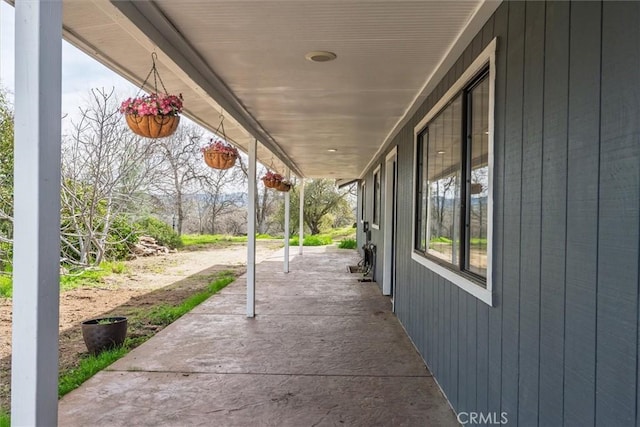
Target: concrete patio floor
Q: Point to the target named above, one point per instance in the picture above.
(323, 349)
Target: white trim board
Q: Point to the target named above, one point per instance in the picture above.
(389, 202)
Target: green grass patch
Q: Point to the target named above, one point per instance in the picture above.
(440, 240)
(6, 286)
(474, 241)
(478, 241)
(348, 244)
(88, 367)
(342, 233)
(5, 420)
(159, 315)
(209, 239)
(167, 314)
(91, 277)
(116, 267)
(266, 237)
(236, 239)
(195, 240)
(312, 240)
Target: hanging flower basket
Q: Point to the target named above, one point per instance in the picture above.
(272, 180)
(276, 181)
(283, 186)
(152, 126)
(217, 160)
(220, 155)
(270, 183)
(156, 115)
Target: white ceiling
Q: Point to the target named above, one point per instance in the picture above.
(247, 57)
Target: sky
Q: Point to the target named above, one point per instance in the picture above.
(80, 73)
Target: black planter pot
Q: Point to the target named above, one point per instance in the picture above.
(104, 333)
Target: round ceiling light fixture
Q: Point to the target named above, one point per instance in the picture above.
(320, 56)
(332, 150)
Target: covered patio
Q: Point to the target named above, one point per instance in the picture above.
(546, 333)
(262, 67)
(361, 90)
(324, 349)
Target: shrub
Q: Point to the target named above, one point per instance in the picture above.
(160, 231)
(6, 255)
(122, 235)
(348, 244)
(6, 288)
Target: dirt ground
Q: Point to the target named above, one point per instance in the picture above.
(164, 279)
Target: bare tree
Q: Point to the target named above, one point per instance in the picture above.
(443, 189)
(180, 169)
(266, 200)
(217, 197)
(266, 207)
(104, 168)
(478, 211)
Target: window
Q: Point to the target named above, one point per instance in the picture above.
(452, 206)
(376, 198)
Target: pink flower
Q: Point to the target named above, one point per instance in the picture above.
(220, 146)
(272, 176)
(153, 105)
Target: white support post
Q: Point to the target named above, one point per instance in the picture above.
(36, 250)
(301, 236)
(251, 232)
(287, 199)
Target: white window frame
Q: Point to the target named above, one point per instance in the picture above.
(485, 294)
(363, 200)
(376, 225)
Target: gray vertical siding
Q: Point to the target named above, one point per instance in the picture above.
(531, 193)
(494, 390)
(514, 74)
(582, 214)
(618, 205)
(560, 346)
(554, 218)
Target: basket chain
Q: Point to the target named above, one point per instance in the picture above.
(156, 77)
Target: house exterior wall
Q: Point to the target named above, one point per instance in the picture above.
(560, 344)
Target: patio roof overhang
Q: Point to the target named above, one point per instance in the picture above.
(247, 58)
